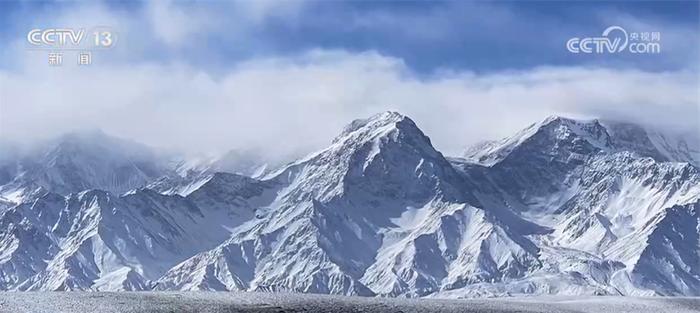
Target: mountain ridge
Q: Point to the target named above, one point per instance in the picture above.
(558, 208)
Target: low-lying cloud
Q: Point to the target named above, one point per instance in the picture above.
(294, 104)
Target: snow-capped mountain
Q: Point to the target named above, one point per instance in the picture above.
(381, 191)
(96, 240)
(603, 189)
(609, 136)
(562, 207)
(76, 162)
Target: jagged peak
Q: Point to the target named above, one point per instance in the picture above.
(575, 124)
(385, 117)
(381, 121)
(386, 146)
(377, 132)
(598, 134)
(380, 129)
(615, 135)
(565, 119)
(554, 118)
(554, 126)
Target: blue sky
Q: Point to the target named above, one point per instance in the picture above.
(428, 36)
(285, 76)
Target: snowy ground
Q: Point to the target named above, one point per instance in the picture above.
(142, 302)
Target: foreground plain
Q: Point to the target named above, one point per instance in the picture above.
(145, 302)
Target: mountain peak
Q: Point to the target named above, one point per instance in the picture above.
(583, 127)
(566, 119)
(83, 160)
(380, 129)
(554, 133)
(384, 153)
(97, 141)
(554, 118)
(388, 117)
(377, 122)
(569, 207)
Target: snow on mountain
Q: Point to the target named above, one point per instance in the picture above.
(183, 185)
(606, 136)
(669, 262)
(76, 162)
(532, 164)
(381, 191)
(654, 143)
(677, 148)
(556, 134)
(603, 191)
(188, 173)
(566, 207)
(94, 240)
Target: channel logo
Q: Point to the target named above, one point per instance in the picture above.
(616, 39)
(57, 38)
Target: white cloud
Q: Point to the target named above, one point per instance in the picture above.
(171, 24)
(296, 104)
(179, 24)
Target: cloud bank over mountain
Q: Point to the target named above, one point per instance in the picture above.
(267, 104)
(186, 78)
